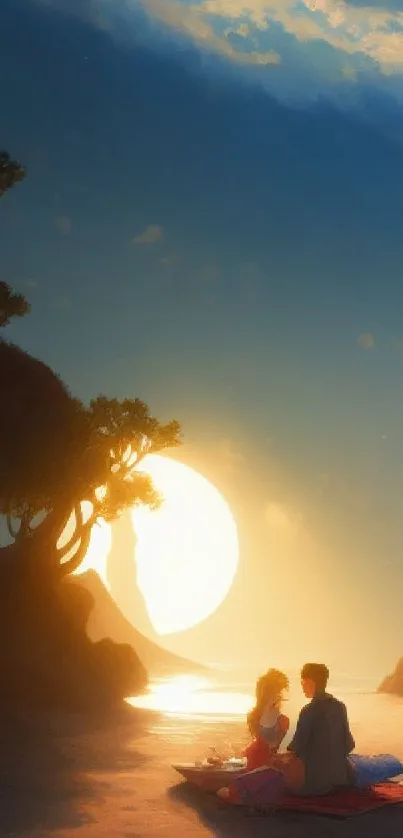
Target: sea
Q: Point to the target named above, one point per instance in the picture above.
(219, 699)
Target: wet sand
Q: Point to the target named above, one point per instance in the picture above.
(70, 777)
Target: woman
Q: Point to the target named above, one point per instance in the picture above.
(266, 723)
(268, 727)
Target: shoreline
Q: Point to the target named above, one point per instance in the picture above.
(111, 777)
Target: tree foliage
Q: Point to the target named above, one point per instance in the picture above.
(11, 172)
(11, 304)
(60, 458)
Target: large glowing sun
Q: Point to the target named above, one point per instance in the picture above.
(186, 551)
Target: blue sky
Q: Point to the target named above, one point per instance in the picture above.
(212, 221)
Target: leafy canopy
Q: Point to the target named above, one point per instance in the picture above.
(11, 172)
(11, 304)
(56, 453)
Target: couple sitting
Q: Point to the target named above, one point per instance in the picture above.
(316, 761)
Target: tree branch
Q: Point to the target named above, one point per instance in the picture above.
(55, 522)
(79, 524)
(66, 568)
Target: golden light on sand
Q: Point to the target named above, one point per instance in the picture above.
(187, 550)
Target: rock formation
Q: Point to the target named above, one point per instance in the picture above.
(47, 659)
(393, 683)
(106, 620)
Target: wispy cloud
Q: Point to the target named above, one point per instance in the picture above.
(192, 20)
(64, 224)
(151, 235)
(366, 340)
(170, 260)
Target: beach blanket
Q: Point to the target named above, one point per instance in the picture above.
(348, 802)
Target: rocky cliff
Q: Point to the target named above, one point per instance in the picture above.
(393, 683)
(106, 620)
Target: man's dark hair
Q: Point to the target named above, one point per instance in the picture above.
(316, 672)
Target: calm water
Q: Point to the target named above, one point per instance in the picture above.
(222, 699)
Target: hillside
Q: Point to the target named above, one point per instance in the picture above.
(106, 620)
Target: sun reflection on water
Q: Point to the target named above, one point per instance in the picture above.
(191, 695)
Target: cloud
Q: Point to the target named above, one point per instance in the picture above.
(193, 21)
(64, 224)
(366, 340)
(170, 260)
(375, 32)
(242, 31)
(325, 45)
(349, 73)
(151, 235)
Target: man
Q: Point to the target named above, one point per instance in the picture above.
(322, 739)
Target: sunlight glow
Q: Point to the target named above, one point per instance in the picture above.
(187, 550)
(98, 551)
(190, 695)
(99, 548)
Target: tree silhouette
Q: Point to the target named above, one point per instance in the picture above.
(11, 172)
(63, 466)
(11, 304)
(62, 463)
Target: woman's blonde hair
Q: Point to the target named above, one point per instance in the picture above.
(270, 689)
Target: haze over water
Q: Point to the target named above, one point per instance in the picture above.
(221, 700)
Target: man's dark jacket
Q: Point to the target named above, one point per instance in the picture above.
(323, 741)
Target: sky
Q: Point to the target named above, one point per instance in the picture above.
(211, 221)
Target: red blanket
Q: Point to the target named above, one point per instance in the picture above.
(348, 802)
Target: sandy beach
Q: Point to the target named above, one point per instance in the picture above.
(112, 777)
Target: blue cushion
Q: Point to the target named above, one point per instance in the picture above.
(374, 769)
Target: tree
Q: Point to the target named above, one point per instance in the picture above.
(58, 456)
(11, 172)
(62, 462)
(63, 466)
(11, 304)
